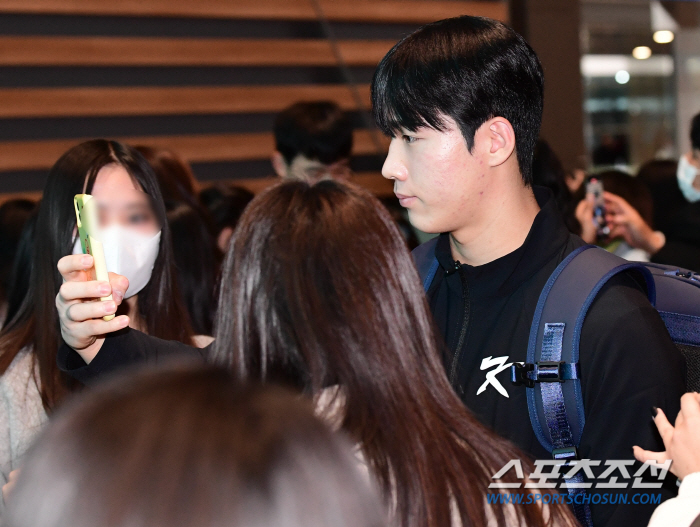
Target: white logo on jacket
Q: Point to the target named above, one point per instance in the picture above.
(500, 363)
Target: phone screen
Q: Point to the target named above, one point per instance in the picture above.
(594, 188)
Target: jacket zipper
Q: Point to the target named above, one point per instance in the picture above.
(465, 326)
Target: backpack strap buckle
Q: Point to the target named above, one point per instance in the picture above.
(550, 371)
(519, 374)
(543, 371)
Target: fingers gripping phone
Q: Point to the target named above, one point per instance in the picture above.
(88, 231)
(594, 187)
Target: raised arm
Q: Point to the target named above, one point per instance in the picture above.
(80, 315)
(93, 347)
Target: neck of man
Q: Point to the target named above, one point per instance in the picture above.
(507, 211)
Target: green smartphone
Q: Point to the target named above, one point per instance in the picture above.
(88, 229)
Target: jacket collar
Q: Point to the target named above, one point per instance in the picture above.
(547, 237)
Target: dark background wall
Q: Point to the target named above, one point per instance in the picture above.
(202, 78)
(552, 28)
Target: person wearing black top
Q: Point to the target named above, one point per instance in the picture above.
(628, 361)
(462, 100)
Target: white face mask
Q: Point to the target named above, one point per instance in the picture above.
(128, 253)
(686, 176)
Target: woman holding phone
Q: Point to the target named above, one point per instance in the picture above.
(134, 226)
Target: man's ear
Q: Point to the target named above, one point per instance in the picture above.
(500, 138)
(279, 164)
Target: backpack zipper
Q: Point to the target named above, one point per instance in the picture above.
(465, 327)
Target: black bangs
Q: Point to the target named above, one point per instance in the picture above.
(398, 102)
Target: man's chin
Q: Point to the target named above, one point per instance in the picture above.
(423, 223)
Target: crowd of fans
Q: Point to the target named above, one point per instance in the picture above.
(335, 391)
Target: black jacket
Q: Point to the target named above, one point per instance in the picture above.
(628, 361)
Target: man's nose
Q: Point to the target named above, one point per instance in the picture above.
(394, 165)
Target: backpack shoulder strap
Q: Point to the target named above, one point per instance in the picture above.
(552, 371)
(678, 302)
(426, 262)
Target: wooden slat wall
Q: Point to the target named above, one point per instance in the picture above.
(32, 155)
(372, 181)
(392, 11)
(116, 51)
(103, 102)
(219, 92)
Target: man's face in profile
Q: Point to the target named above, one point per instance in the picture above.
(435, 176)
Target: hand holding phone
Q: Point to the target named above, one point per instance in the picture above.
(594, 192)
(88, 231)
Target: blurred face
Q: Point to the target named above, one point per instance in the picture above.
(123, 202)
(311, 170)
(694, 158)
(436, 178)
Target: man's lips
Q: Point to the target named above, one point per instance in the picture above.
(404, 200)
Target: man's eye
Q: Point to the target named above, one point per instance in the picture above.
(409, 139)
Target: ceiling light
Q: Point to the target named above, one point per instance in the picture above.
(622, 77)
(663, 37)
(641, 52)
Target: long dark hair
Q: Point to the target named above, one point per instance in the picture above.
(197, 259)
(318, 289)
(175, 178)
(190, 447)
(20, 277)
(36, 323)
(13, 216)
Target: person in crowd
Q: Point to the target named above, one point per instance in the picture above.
(462, 102)
(197, 261)
(306, 301)
(627, 200)
(659, 175)
(313, 140)
(673, 215)
(190, 447)
(669, 235)
(682, 446)
(21, 268)
(689, 165)
(575, 179)
(636, 193)
(135, 235)
(548, 171)
(197, 257)
(13, 215)
(175, 178)
(225, 206)
(612, 150)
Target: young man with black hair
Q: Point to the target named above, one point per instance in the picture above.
(313, 140)
(462, 101)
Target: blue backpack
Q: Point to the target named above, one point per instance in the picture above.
(552, 373)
